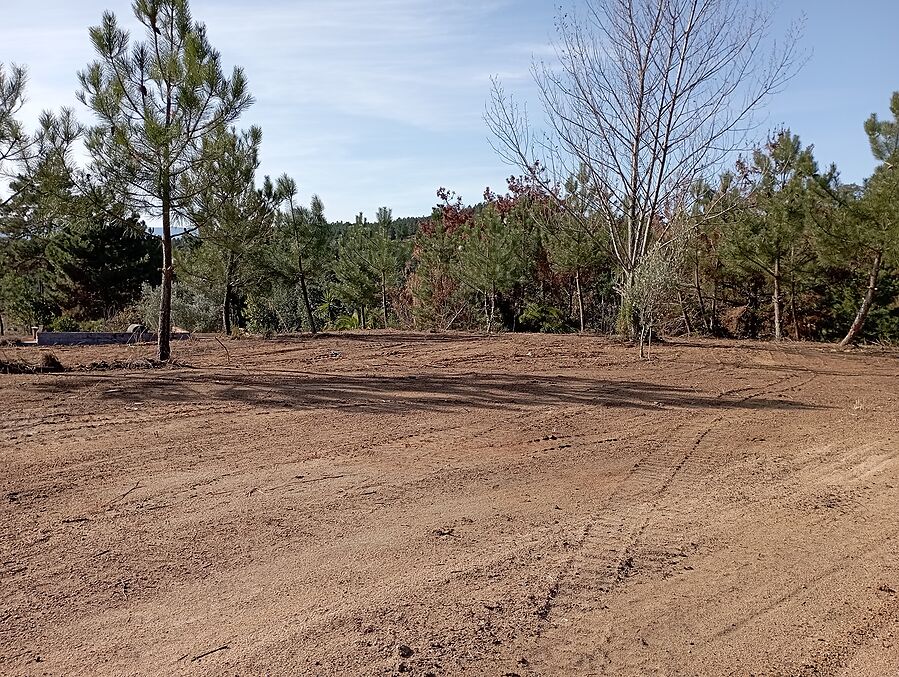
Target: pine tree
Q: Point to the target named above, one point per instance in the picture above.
(14, 141)
(575, 244)
(356, 279)
(40, 205)
(99, 263)
(434, 289)
(771, 235)
(302, 239)
(488, 260)
(872, 227)
(386, 256)
(156, 102)
(232, 216)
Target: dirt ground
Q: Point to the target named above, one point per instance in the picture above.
(379, 503)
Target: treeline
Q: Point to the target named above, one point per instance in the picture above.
(775, 247)
(784, 250)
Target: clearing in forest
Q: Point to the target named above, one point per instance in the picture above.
(375, 503)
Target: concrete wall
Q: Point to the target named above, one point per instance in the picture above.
(89, 338)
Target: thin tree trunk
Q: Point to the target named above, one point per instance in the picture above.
(384, 299)
(793, 313)
(775, 297)
(2, 327)
(492, 309)
(627, 325)
(309, 315)
(164, 336)
(362, 315)
(703, 318)
(713, 320)
(226, 302)
(796, 329)
(683, 309)
(226, 310)
(867, 302)
(580, 298)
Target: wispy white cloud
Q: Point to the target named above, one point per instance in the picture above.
(364, 101)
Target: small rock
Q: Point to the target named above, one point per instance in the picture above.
(404, 651)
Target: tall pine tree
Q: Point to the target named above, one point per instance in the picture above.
(156, 102)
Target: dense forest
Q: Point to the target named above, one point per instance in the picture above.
(169, 221)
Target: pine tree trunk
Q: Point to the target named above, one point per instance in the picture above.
(775, 298)
(362, 315)
(793, 313)
(310, 317)
(164, 336)
(384, 299)
(226, 302)
(580, 298)
(714, 327)
(867, 302)
(700, 300)
(226, 310)
(492, 310)
(796, 329)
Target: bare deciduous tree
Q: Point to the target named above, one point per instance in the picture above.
(650, 288)
(647, 97)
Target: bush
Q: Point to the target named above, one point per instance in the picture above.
(63, 323)
(543, 318)
(93, 325)
(346, 322)
(191, 310)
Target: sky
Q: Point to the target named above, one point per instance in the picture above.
(371, 103)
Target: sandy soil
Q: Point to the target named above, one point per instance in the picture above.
(380, 503)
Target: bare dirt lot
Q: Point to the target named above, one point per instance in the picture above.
(377, 503)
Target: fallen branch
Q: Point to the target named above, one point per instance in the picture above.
(134, 488)
(299, 480)
(319, 479)
(211, 651)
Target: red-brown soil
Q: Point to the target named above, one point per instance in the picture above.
(373, 503)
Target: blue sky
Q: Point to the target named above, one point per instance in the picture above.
(380, 102)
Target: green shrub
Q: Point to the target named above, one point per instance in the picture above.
(543, 318)
(63, 323)
(191, 310)
(346, 322)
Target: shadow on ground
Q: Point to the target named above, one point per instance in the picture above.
(286, 389)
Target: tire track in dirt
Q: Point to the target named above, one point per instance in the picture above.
(604, 551)
(402, 526)
(73, 423)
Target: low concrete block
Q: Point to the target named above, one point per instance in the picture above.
(92, 338)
